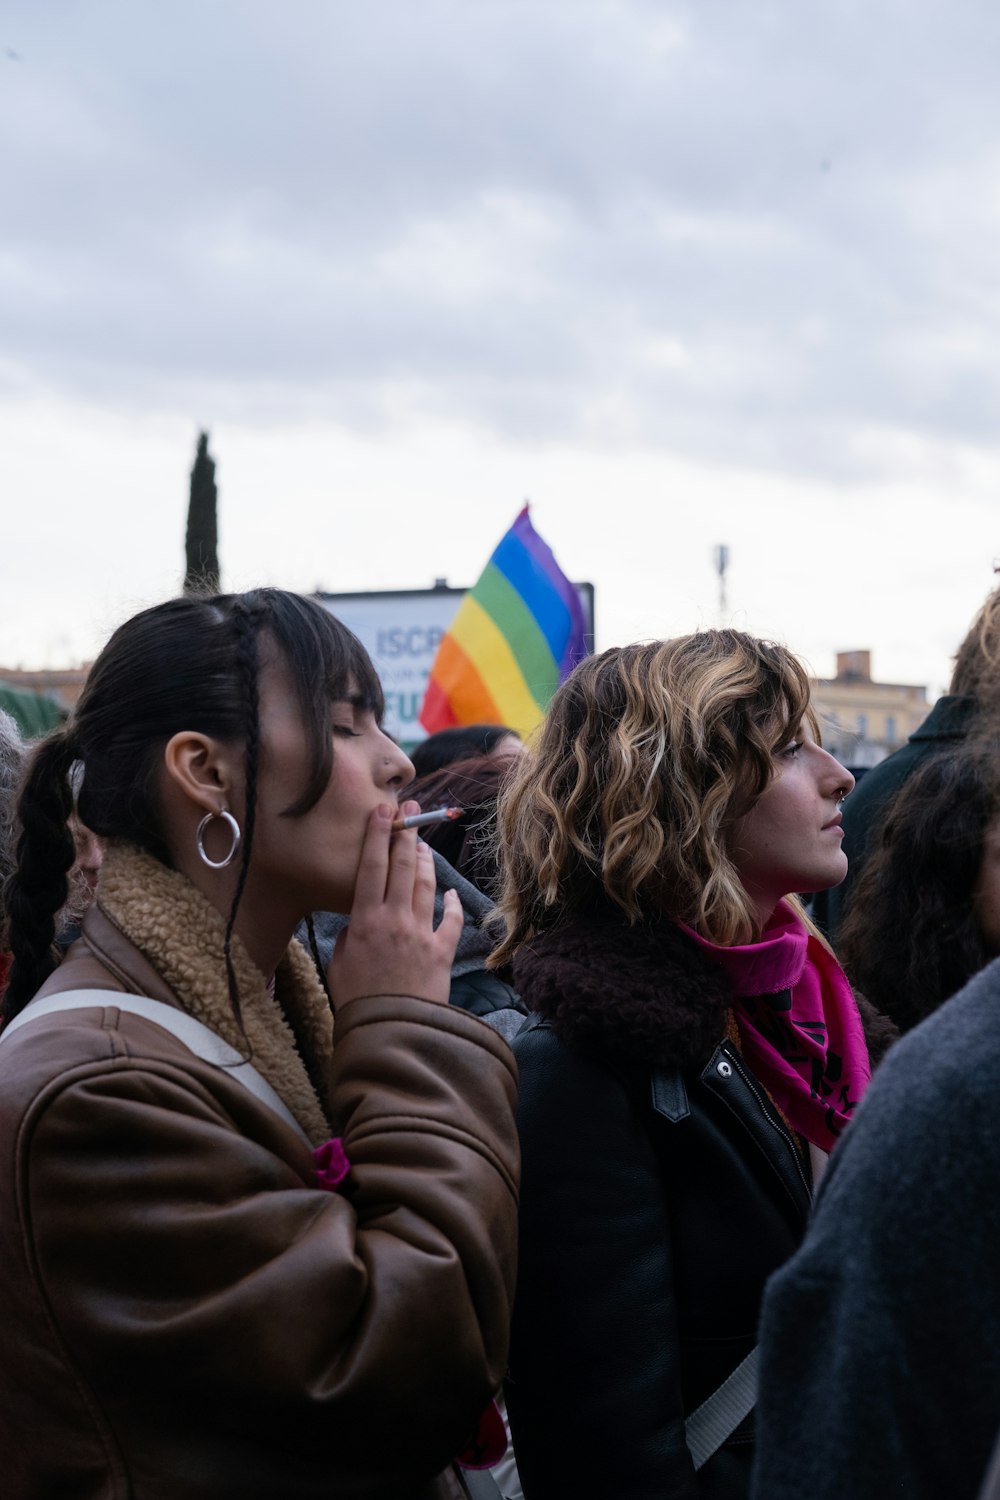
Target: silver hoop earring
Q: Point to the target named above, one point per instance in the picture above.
(234, 828)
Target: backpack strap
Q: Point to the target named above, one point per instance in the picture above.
(719, 1415)
(663, 1092)
(200, 1040)
(481, 1485)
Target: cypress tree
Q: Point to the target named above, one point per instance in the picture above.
(201, 545)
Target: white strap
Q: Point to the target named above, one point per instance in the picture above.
(196, 1037)
(718, 1417)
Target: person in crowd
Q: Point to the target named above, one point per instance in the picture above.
(243, 1253)
(925, 914)
(469, 842)
(880, 1363)
(975, 685)
(463, 742)
(694, 1054)
(11, 762)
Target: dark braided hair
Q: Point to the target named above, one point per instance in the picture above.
(189, 664)
(37, 889)
(246, 618)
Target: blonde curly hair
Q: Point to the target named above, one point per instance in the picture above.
(646, 757)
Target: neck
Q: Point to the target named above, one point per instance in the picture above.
(265, 937)
(264, 924)
(764, 908)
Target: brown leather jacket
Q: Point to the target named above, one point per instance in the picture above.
(185, 1315)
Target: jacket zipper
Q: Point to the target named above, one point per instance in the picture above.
(768, 1112)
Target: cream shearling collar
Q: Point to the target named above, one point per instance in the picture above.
(182, 934)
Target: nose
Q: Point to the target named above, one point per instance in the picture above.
(398, 769)
(838, 777)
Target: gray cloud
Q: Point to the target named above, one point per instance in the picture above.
(745, 231)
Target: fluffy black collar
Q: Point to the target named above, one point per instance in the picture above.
(644, 993)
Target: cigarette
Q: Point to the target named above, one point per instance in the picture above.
(425, 820)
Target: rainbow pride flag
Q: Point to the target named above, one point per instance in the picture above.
(517, 633)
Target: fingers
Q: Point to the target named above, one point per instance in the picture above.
(391, 945)
(373, 867)
(450, 928)
(452, 923)
(424, 886)
(402, 863)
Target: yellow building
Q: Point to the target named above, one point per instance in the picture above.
(864, 721)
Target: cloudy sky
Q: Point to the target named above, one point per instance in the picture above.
(680, 273)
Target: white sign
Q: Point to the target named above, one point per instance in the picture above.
(401, 631)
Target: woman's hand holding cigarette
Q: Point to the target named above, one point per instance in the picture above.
(391, 946)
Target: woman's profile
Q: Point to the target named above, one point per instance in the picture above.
(244, 1252)
(694, 1055)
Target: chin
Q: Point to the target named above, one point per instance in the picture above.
(823, 883)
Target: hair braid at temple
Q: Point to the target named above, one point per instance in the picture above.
(247, 620)
(37, 889)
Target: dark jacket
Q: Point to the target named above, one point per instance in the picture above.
(991, 1484)
(186, 1314)
(880, 1360)
(864, 810)
(660, 1189)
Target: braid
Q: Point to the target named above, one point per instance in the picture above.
(246, 620)
(45, 853)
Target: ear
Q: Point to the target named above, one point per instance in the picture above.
(203, 769)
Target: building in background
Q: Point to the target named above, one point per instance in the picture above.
(864, 721)
(39, 700)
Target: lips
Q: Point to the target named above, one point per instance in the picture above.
(834, 822)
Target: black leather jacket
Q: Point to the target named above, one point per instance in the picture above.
(660, 1190)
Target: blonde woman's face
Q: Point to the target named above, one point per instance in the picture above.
(790, 840)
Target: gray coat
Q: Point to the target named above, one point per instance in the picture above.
(880, 1339)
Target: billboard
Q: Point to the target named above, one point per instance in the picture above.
(401, 630)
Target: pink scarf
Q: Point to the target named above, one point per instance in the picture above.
(799, 1025)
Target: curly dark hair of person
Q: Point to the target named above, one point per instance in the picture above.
(469, 844)
(911, 935)
(189, 664)
(460, 743)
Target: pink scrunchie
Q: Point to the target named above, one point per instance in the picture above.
(330, 1164)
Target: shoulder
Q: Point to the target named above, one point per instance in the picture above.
(879, 784)
(641, 992)
(924, 1144)
(481, 992)
(547, 1061)
(100, 1059)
